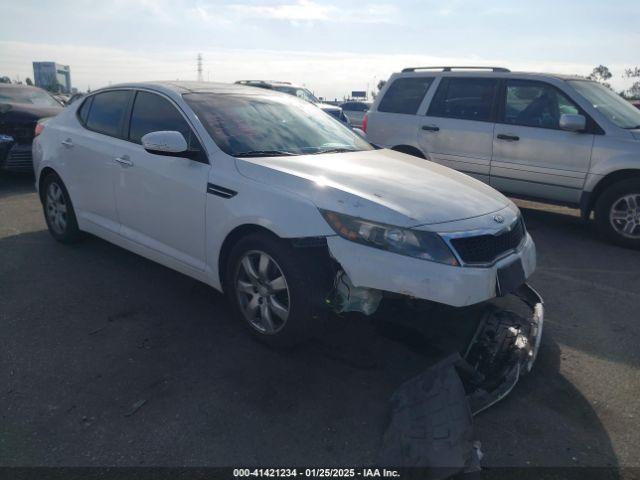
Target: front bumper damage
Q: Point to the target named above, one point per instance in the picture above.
(504, 347)
(431, 414)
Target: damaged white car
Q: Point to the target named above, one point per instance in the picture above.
(269, 199)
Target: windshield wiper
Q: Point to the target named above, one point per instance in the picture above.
(264, 153)
(335, 150)
(633, 128)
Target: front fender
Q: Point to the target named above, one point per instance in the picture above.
(282, 212)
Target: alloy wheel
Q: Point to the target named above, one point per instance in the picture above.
(262, 292)
(625, 216)
(56, 208)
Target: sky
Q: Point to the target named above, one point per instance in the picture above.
(332, 47)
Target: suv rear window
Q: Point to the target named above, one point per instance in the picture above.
(404, 95)
(107, 112)
(464, 98)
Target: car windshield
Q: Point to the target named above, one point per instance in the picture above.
(302, 93)
(271, 125)
(609, 103)
(28, 96)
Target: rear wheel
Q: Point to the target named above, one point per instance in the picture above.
(273, 291)
(58, 210)
(617, 213)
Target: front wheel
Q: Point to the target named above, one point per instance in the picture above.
(273, 290)
(617, 213)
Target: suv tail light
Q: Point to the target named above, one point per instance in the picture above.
(364, 122)
(39, 129)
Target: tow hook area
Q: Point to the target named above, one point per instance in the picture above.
(431, 414)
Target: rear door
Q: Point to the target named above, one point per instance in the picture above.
(161, 198)
(89, 151)
(531, 155)
(457, 130)
(394, 121)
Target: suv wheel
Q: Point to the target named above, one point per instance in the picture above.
(58, 210)
(617, 213)
(272, 289)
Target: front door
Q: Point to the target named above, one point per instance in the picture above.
(532, 156)
(458, 129)
(161, 199)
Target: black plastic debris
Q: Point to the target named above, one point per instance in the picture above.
(431, 425)
(431, 415)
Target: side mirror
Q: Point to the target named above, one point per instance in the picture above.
(165, 143)
(572, 123)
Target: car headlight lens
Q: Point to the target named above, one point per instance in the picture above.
(404, 241)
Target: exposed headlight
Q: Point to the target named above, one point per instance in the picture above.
(404, 241)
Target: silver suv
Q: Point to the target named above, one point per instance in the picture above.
(555, 138)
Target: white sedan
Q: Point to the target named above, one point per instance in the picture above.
(265, 197)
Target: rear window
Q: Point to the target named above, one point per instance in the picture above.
(405, 95)
(464, 98)
(107, 112)
(83, 112)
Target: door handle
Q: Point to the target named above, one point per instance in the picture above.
(67, 143)
(124, 160)
(509, 138)
(430, 128)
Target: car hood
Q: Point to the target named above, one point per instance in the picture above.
(380, 185)
(328, 107)
(20, 111)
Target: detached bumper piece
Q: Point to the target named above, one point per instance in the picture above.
(430, 432)
(504, 347)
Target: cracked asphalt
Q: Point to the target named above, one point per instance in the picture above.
(109, 359)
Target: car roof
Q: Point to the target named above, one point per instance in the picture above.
(19, 86)
(479, 72)
(178, 88)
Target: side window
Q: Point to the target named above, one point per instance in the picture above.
(404, 95)
(152, 113)
(464, 98)
(535, 104)
(107, 112)
(83, 111)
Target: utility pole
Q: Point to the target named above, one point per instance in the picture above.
(199, 67)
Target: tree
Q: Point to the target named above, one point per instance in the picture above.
(5, 80)
(601, 74)
(380, 86)
(634, 91)
(28, 82)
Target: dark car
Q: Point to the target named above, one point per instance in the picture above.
(300, 92)
(20, 109)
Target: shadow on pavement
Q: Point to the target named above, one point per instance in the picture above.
(111, 359)
(15, 183)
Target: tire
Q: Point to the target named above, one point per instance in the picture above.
(58, 210)
(261, 306)
(409, 151)
(617, 213)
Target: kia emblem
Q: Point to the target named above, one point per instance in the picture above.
(498, 218)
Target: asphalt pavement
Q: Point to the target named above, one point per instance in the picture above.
(109, 359)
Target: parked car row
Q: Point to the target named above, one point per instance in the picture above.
(553, 138)
(297, 91)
